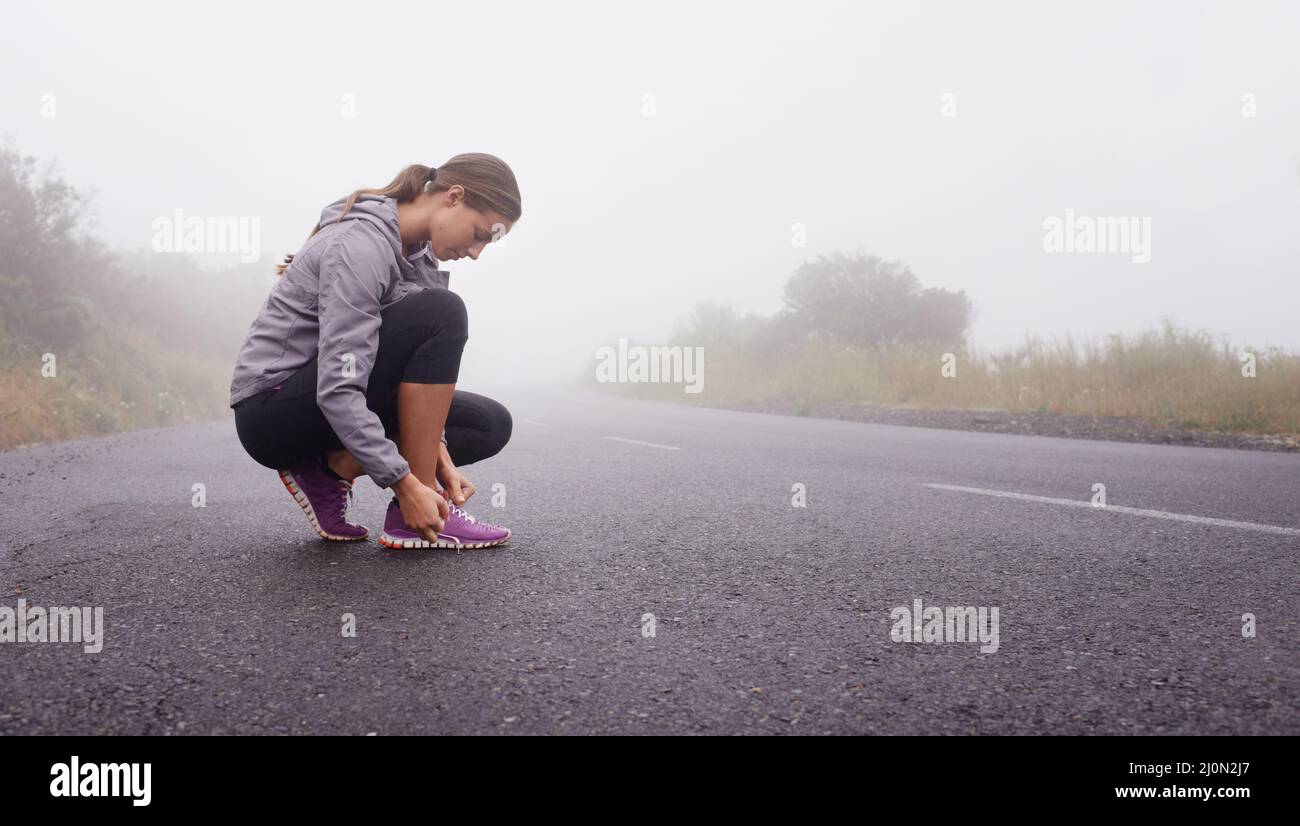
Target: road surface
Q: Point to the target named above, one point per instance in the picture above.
(662, 579)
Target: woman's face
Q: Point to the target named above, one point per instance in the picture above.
(458, 231)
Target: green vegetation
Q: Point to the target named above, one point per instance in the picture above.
(859, 330)
(136, 340)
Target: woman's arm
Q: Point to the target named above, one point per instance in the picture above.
(353, 277)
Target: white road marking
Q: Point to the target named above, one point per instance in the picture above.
(1176, 517)
(644, 444)
(533, 421)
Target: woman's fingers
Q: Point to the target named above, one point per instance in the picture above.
(425, 512)
(458, 490)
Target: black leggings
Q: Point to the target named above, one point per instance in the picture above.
(282, 427)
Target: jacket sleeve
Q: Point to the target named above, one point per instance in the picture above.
(353, 275)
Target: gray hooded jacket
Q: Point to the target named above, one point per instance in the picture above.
(327, 305)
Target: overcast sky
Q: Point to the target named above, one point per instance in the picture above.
(666, 152)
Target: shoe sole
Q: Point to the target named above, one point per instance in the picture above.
(291, 485)
(447, 544)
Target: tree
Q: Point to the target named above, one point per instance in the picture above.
(862, 300)
(37, 216)
(40, 257)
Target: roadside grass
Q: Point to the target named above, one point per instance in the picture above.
(1167, 377)
(125, 380)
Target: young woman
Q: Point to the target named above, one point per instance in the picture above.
(350, 368)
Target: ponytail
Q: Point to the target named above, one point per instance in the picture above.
(488, 182)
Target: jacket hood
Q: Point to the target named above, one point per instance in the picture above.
(379, 210)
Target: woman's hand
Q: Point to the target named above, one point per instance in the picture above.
(423, 509)
(454, 483)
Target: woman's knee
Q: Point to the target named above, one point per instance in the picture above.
(445, 306)
(422, 341)
(494, 437)
(502, 426)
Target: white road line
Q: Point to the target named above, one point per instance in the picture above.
(1176, 517)
(644, 444)
(533, 421)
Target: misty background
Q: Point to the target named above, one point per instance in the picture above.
(675, 154)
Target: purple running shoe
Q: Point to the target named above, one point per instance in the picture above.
(324, 498)
(460, 530)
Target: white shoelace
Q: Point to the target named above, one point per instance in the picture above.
(462, 513)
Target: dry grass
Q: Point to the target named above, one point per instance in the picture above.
(1168, 377)
(127, 383)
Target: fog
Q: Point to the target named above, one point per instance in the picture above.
(675, 153)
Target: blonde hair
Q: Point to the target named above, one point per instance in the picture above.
(488, 182)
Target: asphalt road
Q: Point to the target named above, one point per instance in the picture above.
(768, 618)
